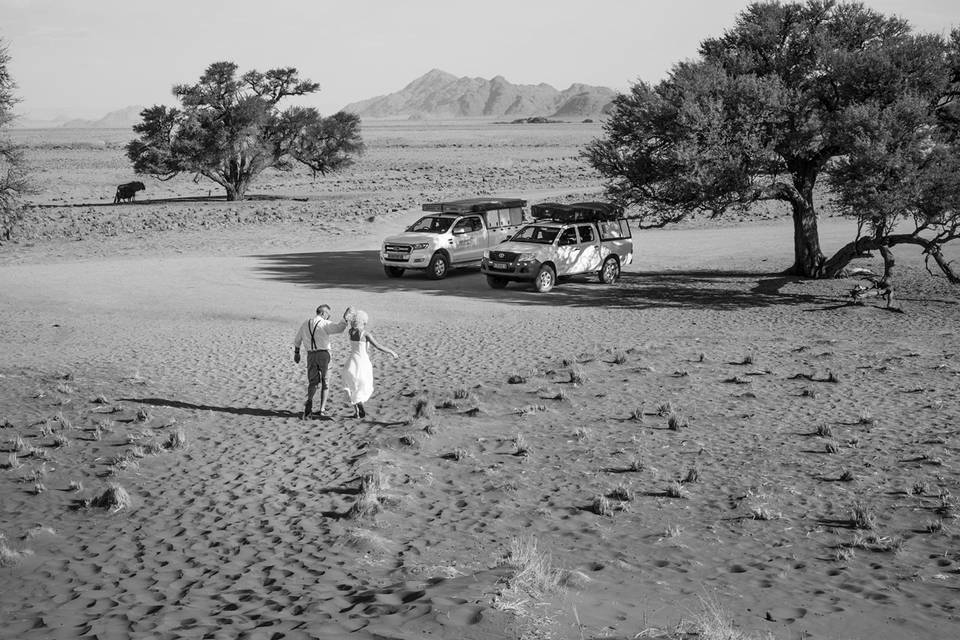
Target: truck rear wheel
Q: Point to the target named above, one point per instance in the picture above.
(545, 279)
(439, 265)
(610, 270)
(393, 272)
(496, 282)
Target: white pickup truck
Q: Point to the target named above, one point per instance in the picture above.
(564, 240)
(455, 234)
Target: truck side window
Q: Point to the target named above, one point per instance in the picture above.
(586, 233)
(493, 219)
(568, 237)
(475, 224)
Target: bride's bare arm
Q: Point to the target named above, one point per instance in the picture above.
(371, 340)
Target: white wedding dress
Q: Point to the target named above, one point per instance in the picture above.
(358, 372)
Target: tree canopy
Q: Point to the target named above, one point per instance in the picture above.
(14, 181)
(791, 94)
(230, 129)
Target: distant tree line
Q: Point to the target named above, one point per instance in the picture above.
(793, 95)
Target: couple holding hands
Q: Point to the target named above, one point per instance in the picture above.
(314, 334)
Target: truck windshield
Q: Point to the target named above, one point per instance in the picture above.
(536, 235)
(431, 224)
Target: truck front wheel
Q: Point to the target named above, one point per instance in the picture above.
(439, 265)
(393, 272)
(545, 279)
(610, 271)
(496, 282)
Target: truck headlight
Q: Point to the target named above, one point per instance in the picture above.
(527, 257)
(486, 254)
(420, 246)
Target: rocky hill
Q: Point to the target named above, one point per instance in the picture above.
(119, 119)
(438, 94)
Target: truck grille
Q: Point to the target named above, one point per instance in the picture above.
(400, 252)
(503, 256)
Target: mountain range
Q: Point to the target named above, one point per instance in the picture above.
(434, 95)
(438, 94)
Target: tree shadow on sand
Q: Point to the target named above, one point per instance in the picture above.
(701, 289)
(245, 411)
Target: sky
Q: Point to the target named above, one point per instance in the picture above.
(85, 58)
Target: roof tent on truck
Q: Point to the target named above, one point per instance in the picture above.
(474, 205)
(576, 212)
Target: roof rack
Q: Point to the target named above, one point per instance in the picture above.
(576, 212)
(474, 205)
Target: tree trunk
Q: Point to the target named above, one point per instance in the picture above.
(236, 191)
(833, 268)
(807, 257)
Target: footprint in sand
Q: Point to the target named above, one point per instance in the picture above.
(785, 614)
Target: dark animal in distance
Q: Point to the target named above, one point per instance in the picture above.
(127, 192)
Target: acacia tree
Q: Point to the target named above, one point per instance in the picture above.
(14, 181)
(764, 113)
(230, 129)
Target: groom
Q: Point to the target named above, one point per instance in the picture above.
(315, 334)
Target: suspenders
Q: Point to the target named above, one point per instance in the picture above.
(313, 335)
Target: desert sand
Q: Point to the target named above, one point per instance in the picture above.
(707, 436)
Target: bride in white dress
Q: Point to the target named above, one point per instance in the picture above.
(358, 372)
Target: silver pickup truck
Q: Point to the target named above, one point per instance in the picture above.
(564, 240)
(454, 234)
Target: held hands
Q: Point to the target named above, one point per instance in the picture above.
(296, 355)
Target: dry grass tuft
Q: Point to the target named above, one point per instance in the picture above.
(521, 448)
(423, 408)
(9, 557)
(19, 444)
(370, 500)
(60, 440)
(832, 377)
(693, 475)
(677, 421)
(665, 408)
(100, 399)
(13, 462)
(142, 415)
(582, 434)
(824, 430)
(576, 375)
(636, 462)
(370, 541)
(713, 623)
(457, 454)
(676, 490)
(866, 417)
(176, 440)
(761, 512)
(115, 498)
(516, 378)
(637, 414)
(747, 359)
(919, 488)
(619, 357)
(602, 506)
(846, 476)
(831, 447)
(934, 526)
(409, 440)
(75, 485)
(461, 394)
(622, 492)
(862, 518)
(533, 408)
(534, 570)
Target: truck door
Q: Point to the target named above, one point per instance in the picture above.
(590, 255)
(469, 239)
(568, 251)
